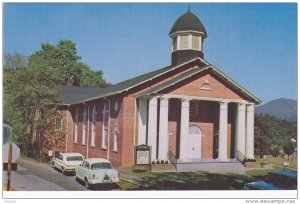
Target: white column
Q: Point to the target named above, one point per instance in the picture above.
(250, 132)
(200, 43)
(184, 128)
(241, 128)
(152, 126)
(142, 129)
(163, 144)
(223, 131)
(190, 41)
(178, 42)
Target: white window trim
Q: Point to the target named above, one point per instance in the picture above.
(83, 142)
(76, 127)
(60, 123)
(93, 127)
(105, 111)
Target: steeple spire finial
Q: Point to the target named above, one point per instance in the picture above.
(189, 8)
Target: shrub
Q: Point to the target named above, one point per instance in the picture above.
(166, 162)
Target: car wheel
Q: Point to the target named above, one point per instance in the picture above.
(87, 185)
(63, 171)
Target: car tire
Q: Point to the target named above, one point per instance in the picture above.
(86, 182)
(63, 171)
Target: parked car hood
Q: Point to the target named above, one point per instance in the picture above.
(264, 186)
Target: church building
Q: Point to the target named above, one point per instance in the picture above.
(187, 111)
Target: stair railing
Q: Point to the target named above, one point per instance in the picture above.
(173, 160)
(240, 156)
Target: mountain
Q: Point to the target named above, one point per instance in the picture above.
(282, 108)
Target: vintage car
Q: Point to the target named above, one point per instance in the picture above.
(275, 181)
(94, 171)
(66, 162)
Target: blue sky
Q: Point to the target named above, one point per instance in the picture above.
(254, 44)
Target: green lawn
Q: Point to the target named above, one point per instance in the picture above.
(279, 162)
(194, 180)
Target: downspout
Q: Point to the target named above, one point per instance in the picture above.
(108, 131)
(134, 124)
(67, 136)
(88, 131)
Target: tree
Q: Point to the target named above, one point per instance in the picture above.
(275, 151)
(289, 149)
(25, 91)
(66, 65)
(14, 61)
(260, 144)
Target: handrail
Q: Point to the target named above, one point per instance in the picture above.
(240, 156)
(173, 160)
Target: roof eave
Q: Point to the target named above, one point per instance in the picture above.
(121, 91)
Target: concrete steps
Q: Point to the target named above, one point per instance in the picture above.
(209, 165)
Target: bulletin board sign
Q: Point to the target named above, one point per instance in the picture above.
(142, 157)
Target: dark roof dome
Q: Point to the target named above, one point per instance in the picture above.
(188, 22)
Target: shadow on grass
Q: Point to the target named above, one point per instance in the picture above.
(196, 181)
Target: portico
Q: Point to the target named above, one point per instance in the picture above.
(156, 131)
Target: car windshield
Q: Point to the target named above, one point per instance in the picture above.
(281, 180)
(101, 166)
(74, 158)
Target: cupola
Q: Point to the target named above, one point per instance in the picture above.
(188, 34)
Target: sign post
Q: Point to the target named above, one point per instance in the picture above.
(142, 157)
(9, 166)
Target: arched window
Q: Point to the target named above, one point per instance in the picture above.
(84, 127)
(76, 127)
(105, 125)
(194, 129)
(116, 135)
(94, 126)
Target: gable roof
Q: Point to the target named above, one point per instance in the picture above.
(70, 95)
(174, 81)
(194, 71)
(133, 82)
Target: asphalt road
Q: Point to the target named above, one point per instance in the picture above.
(32, 176)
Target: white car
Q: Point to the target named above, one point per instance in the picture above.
(96, 171)
(66, 162)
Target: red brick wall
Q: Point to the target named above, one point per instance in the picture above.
(129, 122)
(192, 87)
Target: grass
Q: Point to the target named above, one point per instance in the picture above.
(279, 162)
(193, 180)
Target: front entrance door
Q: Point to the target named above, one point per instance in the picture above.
(194, 144)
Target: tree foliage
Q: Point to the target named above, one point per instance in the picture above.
(66, 65)
(260, 144)
(25, 91)
(289, 149)
(31, 85)
(272, 133)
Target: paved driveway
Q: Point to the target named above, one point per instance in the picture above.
(35, 177)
